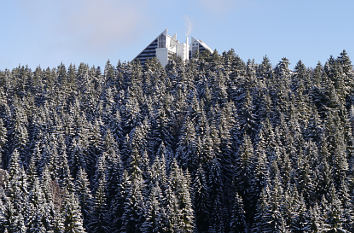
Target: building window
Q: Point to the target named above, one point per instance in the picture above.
(162, 41)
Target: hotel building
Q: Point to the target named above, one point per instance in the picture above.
(165, 46)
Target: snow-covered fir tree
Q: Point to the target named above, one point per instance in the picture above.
(215, 144)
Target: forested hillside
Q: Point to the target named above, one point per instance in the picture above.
(213, 145)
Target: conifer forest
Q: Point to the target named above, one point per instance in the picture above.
(216, 144)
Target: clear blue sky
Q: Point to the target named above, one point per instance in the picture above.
(48, 32)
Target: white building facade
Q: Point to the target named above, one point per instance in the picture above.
(165, 46)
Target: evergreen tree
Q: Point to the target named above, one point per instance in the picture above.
(73, 222)
(238, 220)
(200, 200)
(265, 68)
(333, 213)
(17, 190)
(301, 221)
(183, 210)
(84, 195)
(11, 219)
(186, 152)
(317, 221)
(156, 219)
(215, 144)
(117, 209)
(98, 216)
(262, 217)
(3, 133)
(36, 206)
(133, 215)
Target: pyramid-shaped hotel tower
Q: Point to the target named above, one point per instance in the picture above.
(165, 46)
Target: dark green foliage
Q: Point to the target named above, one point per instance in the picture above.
(212, 145)
(72, 215)
(238, 220)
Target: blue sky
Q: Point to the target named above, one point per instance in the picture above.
(48, 32)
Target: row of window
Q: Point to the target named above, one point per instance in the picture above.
(150, 51)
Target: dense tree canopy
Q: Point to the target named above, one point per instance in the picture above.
(213, 145)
